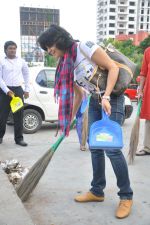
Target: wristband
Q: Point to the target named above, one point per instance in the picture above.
(106, 97)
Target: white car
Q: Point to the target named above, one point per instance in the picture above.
(40, 106)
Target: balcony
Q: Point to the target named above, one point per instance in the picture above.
(123, 4)
(121, 26)
(122, 13)
(124, 20)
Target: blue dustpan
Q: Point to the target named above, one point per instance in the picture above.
(105, 134)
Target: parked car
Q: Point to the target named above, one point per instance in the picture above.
(128, 109)
(40, 106)
(131, 91)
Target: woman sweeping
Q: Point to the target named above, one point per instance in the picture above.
(77, 61)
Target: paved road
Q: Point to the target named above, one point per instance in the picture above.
(70, 173)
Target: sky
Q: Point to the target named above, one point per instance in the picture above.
(78, 17)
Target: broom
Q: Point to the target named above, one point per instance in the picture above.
(134, 138)
(30, 181)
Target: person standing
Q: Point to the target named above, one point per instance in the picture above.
(144, 93)
(73, 73)
(13, 70)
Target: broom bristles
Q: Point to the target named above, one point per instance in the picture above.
(32, 178)
(134, 140)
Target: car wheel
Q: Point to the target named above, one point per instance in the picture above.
(32, 121)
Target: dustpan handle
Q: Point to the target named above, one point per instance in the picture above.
(104, 115)
(13, 96)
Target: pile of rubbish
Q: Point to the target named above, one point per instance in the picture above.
(15, 171)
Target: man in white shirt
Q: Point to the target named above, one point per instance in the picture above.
(13, 70)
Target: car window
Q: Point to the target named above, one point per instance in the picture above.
(50, 75)
(41, 79)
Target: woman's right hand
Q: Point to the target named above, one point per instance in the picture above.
(106, 106)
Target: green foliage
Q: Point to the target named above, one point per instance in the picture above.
(145, 43)
(49, 60)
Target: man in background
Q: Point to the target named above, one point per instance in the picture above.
(13, 70)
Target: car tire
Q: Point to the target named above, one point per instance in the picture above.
(32, 121)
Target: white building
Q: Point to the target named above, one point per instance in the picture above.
(116, 17)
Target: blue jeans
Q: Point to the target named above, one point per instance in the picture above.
(116, 156)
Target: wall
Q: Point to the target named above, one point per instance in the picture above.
(137, 38)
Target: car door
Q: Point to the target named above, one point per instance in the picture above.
(45, 93)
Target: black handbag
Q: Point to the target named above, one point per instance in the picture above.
(126, 72)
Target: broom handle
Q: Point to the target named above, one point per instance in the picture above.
(57, 143)
(139, 107)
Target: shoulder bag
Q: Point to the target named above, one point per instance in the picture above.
(126, 71)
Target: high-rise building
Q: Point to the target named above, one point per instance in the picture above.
(116, 17)
(33, 21)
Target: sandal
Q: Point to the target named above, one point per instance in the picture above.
(142, 153)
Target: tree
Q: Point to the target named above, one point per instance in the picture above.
(49, 60)
(145, 43)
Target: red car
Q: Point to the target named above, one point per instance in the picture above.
(131, 91)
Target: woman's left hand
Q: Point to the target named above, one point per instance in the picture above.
(106, 106)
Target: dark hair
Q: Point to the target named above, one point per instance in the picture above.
(8, 43)
(55, 35)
